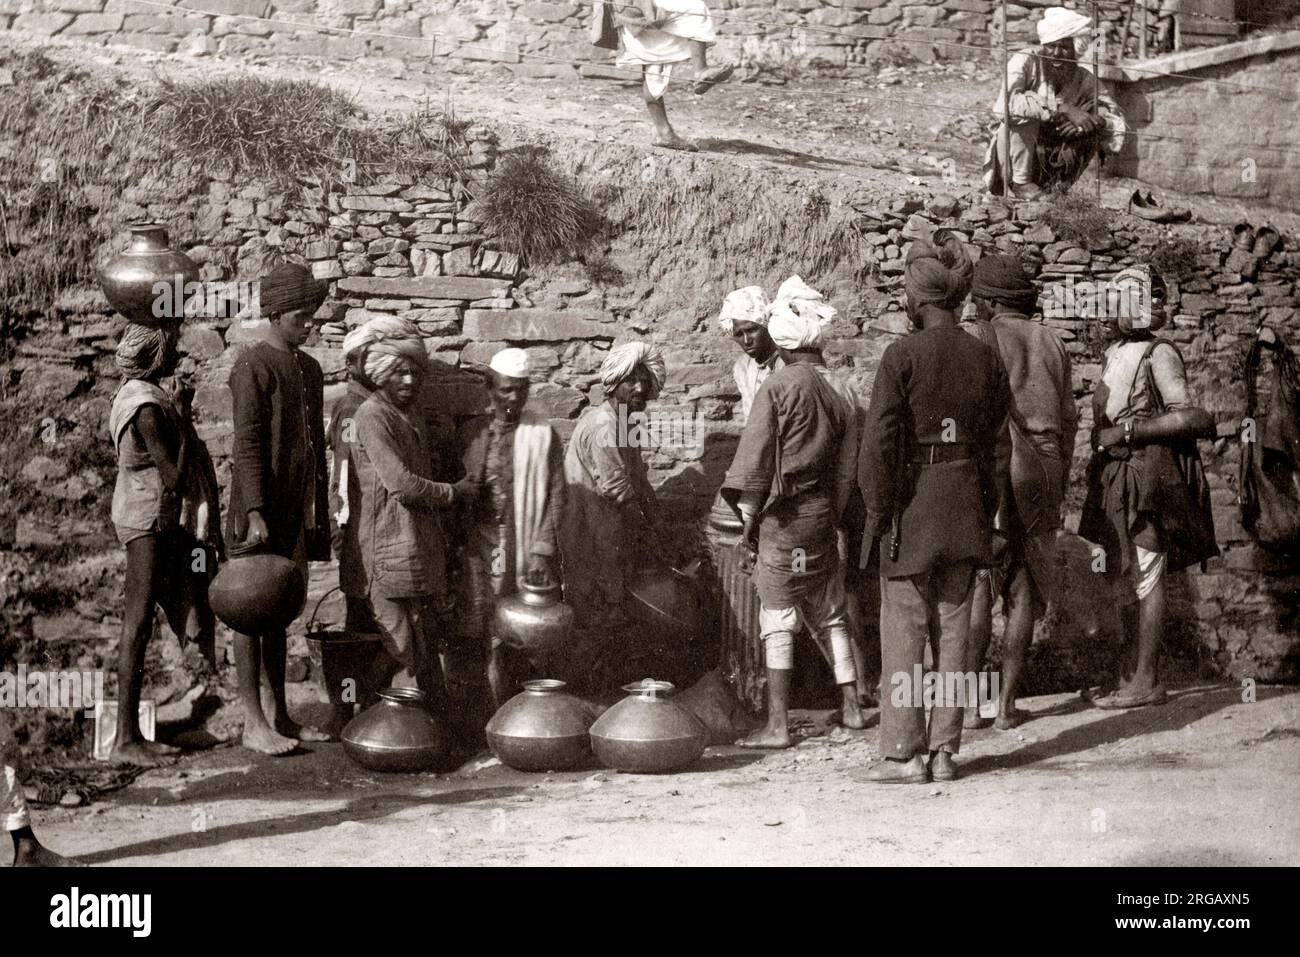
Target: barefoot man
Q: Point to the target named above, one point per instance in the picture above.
(658, 33)
(165, 512)
(279, 482)
(1042, 425)
(789, 482)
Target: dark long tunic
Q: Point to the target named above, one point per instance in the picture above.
(939, 387)
(278, 456)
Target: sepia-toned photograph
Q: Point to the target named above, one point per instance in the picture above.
(650, 434)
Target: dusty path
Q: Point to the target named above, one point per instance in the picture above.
(1204, 780)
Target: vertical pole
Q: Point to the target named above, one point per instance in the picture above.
(1142, 36)
(1006, 109)
(1096, 80)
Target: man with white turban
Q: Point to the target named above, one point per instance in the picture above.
(789, 482)
(1054, 133)
(512, 529)
(404, 546)
(656, 34)
(744, 317)
(611, 516)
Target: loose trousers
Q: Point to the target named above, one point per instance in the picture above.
(933, 606)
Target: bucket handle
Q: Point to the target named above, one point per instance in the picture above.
(311, 622)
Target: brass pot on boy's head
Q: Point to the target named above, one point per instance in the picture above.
(150, 282)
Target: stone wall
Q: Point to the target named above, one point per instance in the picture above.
(1239, 137)
(529, 37)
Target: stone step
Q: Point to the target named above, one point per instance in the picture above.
(427, 287)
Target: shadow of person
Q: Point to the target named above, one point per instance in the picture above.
(368, 808)
(777, 154)
(1182, 709)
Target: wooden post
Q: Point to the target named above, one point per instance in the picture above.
(1006, 108)
(1096, 80)
(1142, 36)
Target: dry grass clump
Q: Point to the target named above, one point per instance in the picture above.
(1077, 218)
(1175, 258)
(289, 131)
(533, 210)
(58, 128)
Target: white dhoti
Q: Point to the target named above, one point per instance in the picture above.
(13, 806)
(658, 48)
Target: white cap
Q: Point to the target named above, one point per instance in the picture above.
(511, 363)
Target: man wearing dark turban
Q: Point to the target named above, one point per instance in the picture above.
(929, 476)
(1042, 425)
(279, 481)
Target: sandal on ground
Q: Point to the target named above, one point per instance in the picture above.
(1119, 701)
(1243, 236)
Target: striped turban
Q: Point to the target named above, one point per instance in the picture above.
(373, 348)
(938, 271)
(622, 361)
(144, 350)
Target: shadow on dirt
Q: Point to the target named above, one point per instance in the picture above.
(777, 154)
(1183, 708)
(368, 808)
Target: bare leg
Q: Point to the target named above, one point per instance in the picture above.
(1015, 645)
(142, 580)
(776, 733)
(275, 652)
(258, 733)
(851, 715)
(29, 852)
(699, 54)
(665, 135)
(1150, 628)
(981, 633)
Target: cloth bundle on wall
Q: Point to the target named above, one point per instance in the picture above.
(1270, 452)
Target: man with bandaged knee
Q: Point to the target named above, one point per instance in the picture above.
(790, 482)
(1148, 500)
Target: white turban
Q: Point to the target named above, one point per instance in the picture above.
(623, 360)
(511, 363)
(1058, 23)
(749, 304)
(798, 315)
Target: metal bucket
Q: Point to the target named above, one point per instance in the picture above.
(347, 664)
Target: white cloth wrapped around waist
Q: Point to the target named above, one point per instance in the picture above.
(660, 47)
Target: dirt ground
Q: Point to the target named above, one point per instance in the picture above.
(1204, 780)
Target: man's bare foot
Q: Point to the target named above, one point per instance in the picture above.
(768, 738)
(260, 738)
(34, 854)
(301, 732)
(676, 142)
(851, 715)
(712, 77)
(147, 754)
(973, 721)
(1010, 718)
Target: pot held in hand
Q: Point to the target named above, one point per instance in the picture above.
(541, 728)
(147, 282)
(647, 732)
(397, 734)
(256, 593)
(534, 619)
